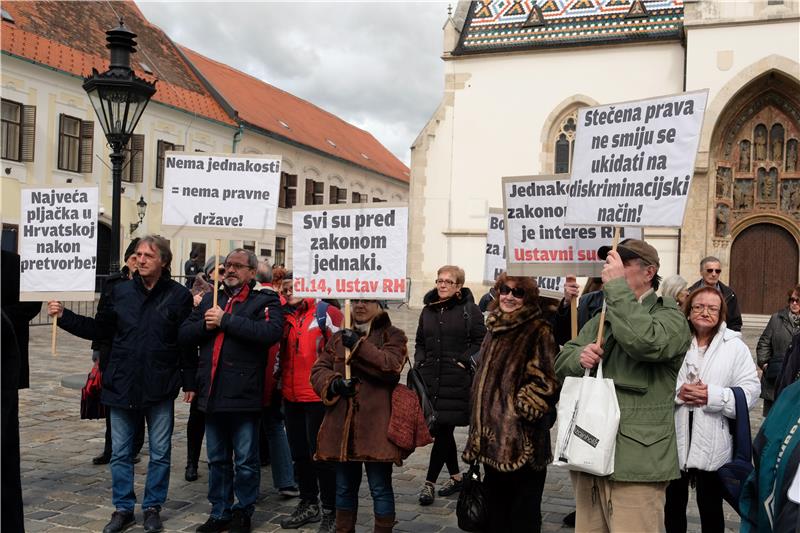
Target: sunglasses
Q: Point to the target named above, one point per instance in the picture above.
(516, 292)
(794, 300)
(714, 270)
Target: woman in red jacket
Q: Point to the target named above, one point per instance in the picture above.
(306, 330)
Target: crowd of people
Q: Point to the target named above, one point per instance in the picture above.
(274, 378)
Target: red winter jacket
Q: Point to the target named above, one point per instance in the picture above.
(302, 341)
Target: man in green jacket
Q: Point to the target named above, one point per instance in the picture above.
(644, 341)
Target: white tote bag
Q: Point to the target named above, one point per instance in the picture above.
(588, 420)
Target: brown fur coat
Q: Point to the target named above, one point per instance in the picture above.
(514, 393)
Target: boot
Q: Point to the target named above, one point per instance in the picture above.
(383, 524)
(345, 521)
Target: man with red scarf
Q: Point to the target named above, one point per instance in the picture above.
(233, 338)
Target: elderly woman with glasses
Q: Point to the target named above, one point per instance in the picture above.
(774, 343)
(449, 334)
(513, 407)
(717, 360)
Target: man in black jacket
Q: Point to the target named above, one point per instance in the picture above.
(145, 371)
(710, 269)
(233, 338)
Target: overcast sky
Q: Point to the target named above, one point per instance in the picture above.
(376, 65)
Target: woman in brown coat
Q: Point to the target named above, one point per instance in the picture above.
(354, 430)
(513, 397)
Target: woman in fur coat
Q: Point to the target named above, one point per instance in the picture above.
(513, 407)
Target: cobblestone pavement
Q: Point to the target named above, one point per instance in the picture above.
(63, 491)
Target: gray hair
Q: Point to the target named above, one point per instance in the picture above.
(673, 286)
(264, 272)
(161, 245)
(709, 259)
(252, 260)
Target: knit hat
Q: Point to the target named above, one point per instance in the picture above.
(131, 249)
(209, 268)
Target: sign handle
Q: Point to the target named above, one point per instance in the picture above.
(573, 311)
(347, 350)
(53, 339)
(216, 272)
(603, 312)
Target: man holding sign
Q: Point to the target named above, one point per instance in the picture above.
(642, 350)
(146, 368)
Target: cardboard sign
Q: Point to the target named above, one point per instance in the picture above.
(551, 286)
(350, 252)
(495, 262)
(539, 242)
(633, 162)
(58, 243)
(220, 195)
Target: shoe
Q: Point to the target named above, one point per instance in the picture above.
(328, 522)
(191, 472)
(306, 512)
(452, 486)
(120, 521)
(384, 524)
(240, 522)
(213, 525)
(426, 495)
(289, 492)
(102, 459)
(346, 521)
(569, 520)
(152, 520)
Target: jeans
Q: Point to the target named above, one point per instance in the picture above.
(232, 434)
(278, 445)
(444, 451)
(303, 420)
(379, 477)
(124, 423)
(138, 440)
(515, 499)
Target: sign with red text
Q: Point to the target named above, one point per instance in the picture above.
(58, 243)
(538, 241)
(220, 195)
(495, 262)
(633, 162)
(342, 251)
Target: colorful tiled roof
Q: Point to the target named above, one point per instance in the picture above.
(286, 116)
(70, 37)
(505, 25)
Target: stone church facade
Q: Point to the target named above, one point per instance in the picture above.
(516, 73)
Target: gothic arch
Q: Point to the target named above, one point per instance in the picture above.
(552, 126)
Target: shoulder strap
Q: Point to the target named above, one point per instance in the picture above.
(742, 444)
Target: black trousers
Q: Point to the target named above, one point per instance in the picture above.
(195, 429)
(138, 438)
(12, 518)
(515, 500)
(444, 451)
(709, 502)
(303, 420)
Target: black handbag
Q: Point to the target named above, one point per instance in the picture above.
(472, 509)
(416, 383)
(734, 473)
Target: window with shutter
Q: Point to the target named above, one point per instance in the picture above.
(288, 192)
(69, 140)
(359, 198)
(11, 130)
(163, 147)
(86, 146)
(337, 195)
(133, 167)
(28, 140)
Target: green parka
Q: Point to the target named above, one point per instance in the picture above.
(644, 345)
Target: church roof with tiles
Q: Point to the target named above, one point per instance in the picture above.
(507, 25)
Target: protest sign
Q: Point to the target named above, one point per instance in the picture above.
(633, 162)
(350, 252)
(537, 239)
(58, 243)
(551, 286)
(495, 262)
(220, 195)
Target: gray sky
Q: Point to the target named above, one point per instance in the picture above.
(376, 65)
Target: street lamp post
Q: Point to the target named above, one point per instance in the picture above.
(119, 98)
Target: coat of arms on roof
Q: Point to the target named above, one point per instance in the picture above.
(535, 18)
(637, 9)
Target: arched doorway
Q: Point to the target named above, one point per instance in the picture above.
(764, 265)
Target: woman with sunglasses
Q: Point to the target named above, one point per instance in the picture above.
(774, 343)
(717, 360)
(449, 334)
(513, 407)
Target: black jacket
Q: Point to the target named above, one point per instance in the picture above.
(448, 334)
(19, 314)
(103, 346)
(734, 319)
(589, 305)
(235, 353)
(146, 364)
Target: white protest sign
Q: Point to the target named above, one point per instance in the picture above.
(633, 161)
(212, 194)
(58, 243)
(495, 262)
(350, 252)
(551, 286)
(539, 242)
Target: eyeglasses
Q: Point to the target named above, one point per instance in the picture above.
(445, 281)
(714, 270)
(794, 300)
(516, 292)
(235, 266)
(711, 309)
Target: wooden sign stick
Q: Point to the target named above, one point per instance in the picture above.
(573, 311)
(216, 272)
(347, 350)
(53, 339)
(603, 312)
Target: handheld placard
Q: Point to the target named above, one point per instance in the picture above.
(55, 332)
(347, 350)
(603, 312)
